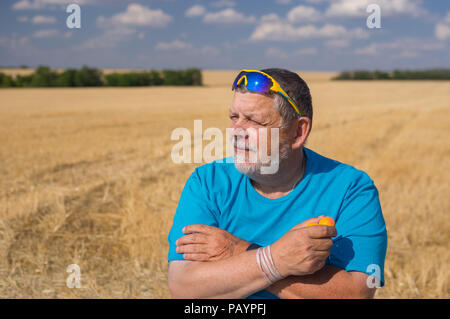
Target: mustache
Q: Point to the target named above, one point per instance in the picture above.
(241, 144)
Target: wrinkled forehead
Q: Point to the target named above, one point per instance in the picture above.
(253, 104)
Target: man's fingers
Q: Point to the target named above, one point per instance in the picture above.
(322, 244)
(192, 249)
(195, 238)
(196, 257)
(310, 220)
(321, 264)
(321, 231)
(197, 228)
(322, 255)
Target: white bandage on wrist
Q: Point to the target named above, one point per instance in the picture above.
(267, 266)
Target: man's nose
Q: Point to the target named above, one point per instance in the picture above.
(239, 124)
(239, 129)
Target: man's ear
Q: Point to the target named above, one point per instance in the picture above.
(302, 128)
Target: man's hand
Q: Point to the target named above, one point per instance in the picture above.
(303, 250)
(208, 243)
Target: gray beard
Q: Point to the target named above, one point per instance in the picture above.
(253, 170)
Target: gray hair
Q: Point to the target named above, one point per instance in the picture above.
(283, 107)
(296, 88)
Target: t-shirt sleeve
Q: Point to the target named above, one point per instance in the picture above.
(361, 240)
(194, 207)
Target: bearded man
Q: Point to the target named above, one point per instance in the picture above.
(240, 232)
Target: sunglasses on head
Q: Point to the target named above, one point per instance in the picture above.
(260, 82)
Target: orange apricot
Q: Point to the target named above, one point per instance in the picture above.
(327, 221)
(312, 224)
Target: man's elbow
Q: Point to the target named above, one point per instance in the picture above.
(369, 293)
(179, 287)
(176, 290)
(364, 293)
(360, 289)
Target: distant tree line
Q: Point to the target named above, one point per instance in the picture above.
(43, 76)
(431, 74)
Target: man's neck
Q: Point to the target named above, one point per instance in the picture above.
(289, 174)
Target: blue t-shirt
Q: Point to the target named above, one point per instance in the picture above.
(217, 194)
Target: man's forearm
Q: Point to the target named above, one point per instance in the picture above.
(329, 282)
(235, 277)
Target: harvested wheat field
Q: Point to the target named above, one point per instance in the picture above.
(86, 178)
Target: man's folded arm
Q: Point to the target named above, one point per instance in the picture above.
(235, 277)
(362, 242)
(330, 282)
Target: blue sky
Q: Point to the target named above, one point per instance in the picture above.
(322, 35)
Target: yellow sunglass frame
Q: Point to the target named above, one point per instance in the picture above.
(275, 88)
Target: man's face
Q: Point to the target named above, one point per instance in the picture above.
(251, 115)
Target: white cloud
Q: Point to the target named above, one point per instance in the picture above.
(371, 49)
(43, 20)
(175, 45)
(357, 8)
(195, 11)
(186, 48)
(136, 15)
(283, 1)
(109, 39)
(306, 51)
(338, 43)
(223, 4)
(405, 47)
(24, 5)
(275, 53)
(271, 17)
(228, 16)
(46, 33)
(122, 26)
(208, 50)
(298, 14)
(302, 14)
(41, 4)
(442, 29)
(13, 42)
(287, 32)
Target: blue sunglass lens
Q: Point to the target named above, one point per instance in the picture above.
(256, 82)
(236, 80)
